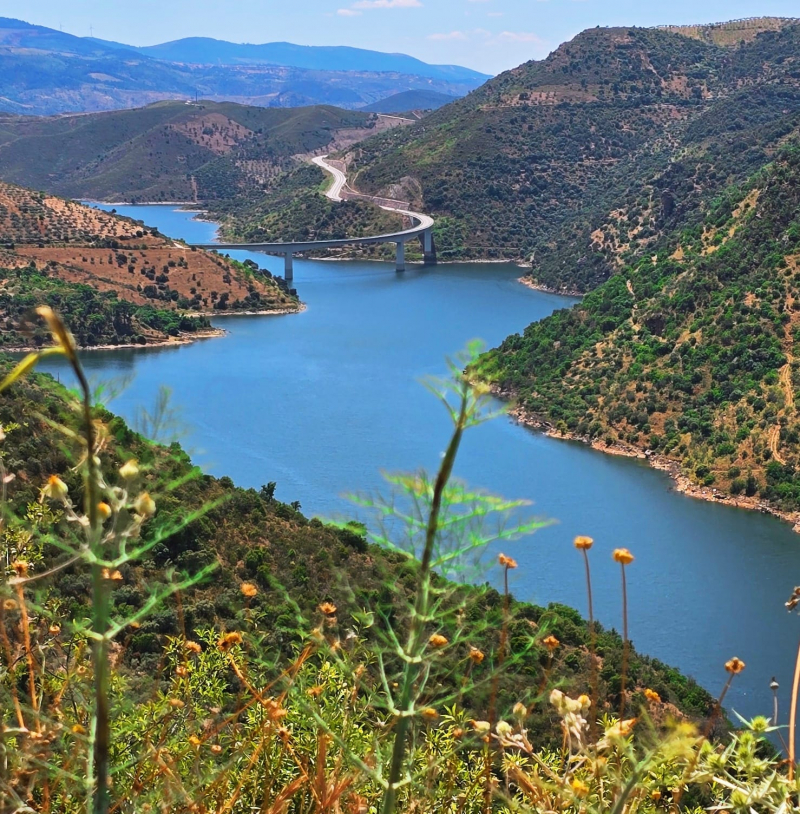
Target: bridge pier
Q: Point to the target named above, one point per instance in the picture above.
(288, 266)
(401, 256)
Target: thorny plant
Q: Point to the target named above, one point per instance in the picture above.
(358, 721)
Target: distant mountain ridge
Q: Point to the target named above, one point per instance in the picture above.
(48, 72)
(410, 100)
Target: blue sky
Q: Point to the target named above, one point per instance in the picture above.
(488, 35)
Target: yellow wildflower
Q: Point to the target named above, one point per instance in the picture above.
(55, 488)
(328, 608)
(551, 643)
(583, 543)
(652, 695)
(580, 788)
(622, 556)
(507, 562)
(20, 567)
(104, 510)
(437, 640)
(145, 505)
(248, 589)
(129, 470)
(193, 647)
(429, 713)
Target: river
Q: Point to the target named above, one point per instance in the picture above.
(322, 401)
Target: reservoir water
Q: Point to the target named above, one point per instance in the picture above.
(322, 401)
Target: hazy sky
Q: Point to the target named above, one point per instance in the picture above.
(488, 35)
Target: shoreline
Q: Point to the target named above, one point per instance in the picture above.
(528, 283)
(681, 482)
(173, 341)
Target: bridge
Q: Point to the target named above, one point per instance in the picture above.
(422, 230)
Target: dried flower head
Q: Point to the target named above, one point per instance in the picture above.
(476, 656)
(9, 604)
(228, 640)
(551, 643)
(652, 695)
(248, 589)
(181, 671)
(176, 703)
(480, 726)
(519, 710)
(315, 691)
(54, 630)
(734, 666)
(507, 562)
(129, 470)
(145, 505)
(55, 488)
(216, 748)
(504, 729)
(20, 567)
(622, 556)
(193, 647)
(328, 608)
(583, 543)
(437, 640)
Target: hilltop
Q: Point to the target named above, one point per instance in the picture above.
(116, 280)
(689, 355)
(48, 72)
(732, 32)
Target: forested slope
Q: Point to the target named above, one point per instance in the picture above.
(691, 352)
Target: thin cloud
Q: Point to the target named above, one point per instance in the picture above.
(452, 35)
(367, 4)
(519, 36)
(348, 12)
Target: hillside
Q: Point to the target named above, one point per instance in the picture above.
(48, 72)
(636, 129)
(172, 151)
(296, 564)
(118, 281)
(689, 355)
(410, 100)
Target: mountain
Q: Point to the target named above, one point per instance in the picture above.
(207, 51)
(620, 128)
(411, 100)
(172, 151)
(690, 354)
(50, 72)
(115, 280)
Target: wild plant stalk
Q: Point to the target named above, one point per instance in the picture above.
(583, 544)
(793, 717)
(412, 652)
(96, 552)
(623, 557)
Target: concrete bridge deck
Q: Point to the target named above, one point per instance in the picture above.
(422, 230)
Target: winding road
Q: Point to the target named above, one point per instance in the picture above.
(423, 229)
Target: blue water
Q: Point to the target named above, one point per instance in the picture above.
(322, 401)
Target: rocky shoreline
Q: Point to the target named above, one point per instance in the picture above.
(529, 283)
(682, 483)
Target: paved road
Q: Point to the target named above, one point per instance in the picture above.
(339, 178)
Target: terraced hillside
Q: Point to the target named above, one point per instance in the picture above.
(690, 354)
(116, 279)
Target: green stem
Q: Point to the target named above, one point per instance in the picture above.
(421, 606)
(98, 801)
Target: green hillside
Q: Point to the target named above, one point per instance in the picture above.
(169, 151)
(531, 165)
(690, 353)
